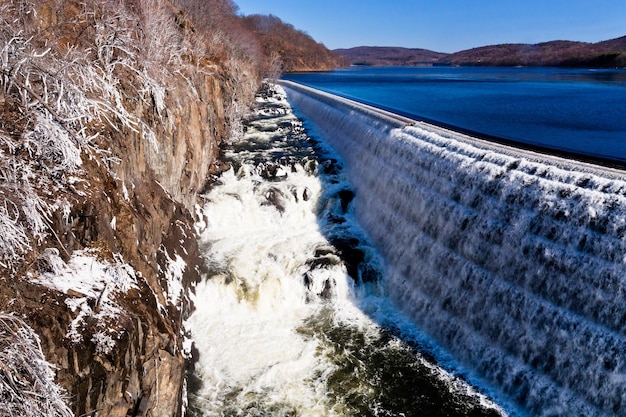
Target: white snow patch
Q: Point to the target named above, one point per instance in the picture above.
(92, 284)
(89, 275)
(125, 192)
(174, 274)
(200, 224)
(104, 343)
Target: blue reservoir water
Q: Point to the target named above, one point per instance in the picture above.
(581, 111)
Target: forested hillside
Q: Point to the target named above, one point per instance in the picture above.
(389, 56)
(606, 54)
(289, 49)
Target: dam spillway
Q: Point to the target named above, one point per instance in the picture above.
(513, 261)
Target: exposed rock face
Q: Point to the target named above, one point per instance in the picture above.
(193, 123)
(102, 279)
(144, 372)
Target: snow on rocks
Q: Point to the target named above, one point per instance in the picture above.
(92, 284)
(174, 273)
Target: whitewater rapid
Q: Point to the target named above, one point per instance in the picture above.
(291, 318)
(514, 261)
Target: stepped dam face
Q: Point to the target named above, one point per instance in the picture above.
(515, 262)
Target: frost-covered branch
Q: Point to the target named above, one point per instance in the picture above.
(22, 212)
(64, 101)
(27, 387)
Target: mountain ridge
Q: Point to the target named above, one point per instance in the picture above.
(605, 54)
(389, 55)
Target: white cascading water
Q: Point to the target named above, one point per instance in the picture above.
(280, 327)
(514, 262)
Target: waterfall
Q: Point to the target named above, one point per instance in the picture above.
(291, 320)
(513, 261)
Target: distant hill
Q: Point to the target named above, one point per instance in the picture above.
(388, 55)
(611, 53)
(606, 54)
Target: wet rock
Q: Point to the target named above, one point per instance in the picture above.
(327, 292)
(276, 198)
(324, 257)
(310, 167)
(350, 254)
(324, 261)
(324, 250)
(271, 171)
(336, 219)
(345, 196)
(330, 166)
(303, 194)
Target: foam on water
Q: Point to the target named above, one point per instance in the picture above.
(511, 260)
(280, 326)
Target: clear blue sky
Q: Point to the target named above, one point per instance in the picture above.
(446, 25)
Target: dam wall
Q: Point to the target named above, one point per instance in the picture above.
(513, 261)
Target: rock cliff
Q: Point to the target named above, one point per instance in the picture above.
(111, 116)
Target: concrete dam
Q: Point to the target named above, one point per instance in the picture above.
(513, 261)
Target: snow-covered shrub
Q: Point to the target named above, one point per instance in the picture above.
(227, 41)
(27, 387)
(37, 144)
(23, 214)
(162, 45)
(51, 144)
(62, 99)
(13, 240)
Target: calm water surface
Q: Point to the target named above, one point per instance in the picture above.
(574, 110)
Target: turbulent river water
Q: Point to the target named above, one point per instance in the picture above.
(292, 318)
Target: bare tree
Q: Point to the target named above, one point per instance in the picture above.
(274, 66)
